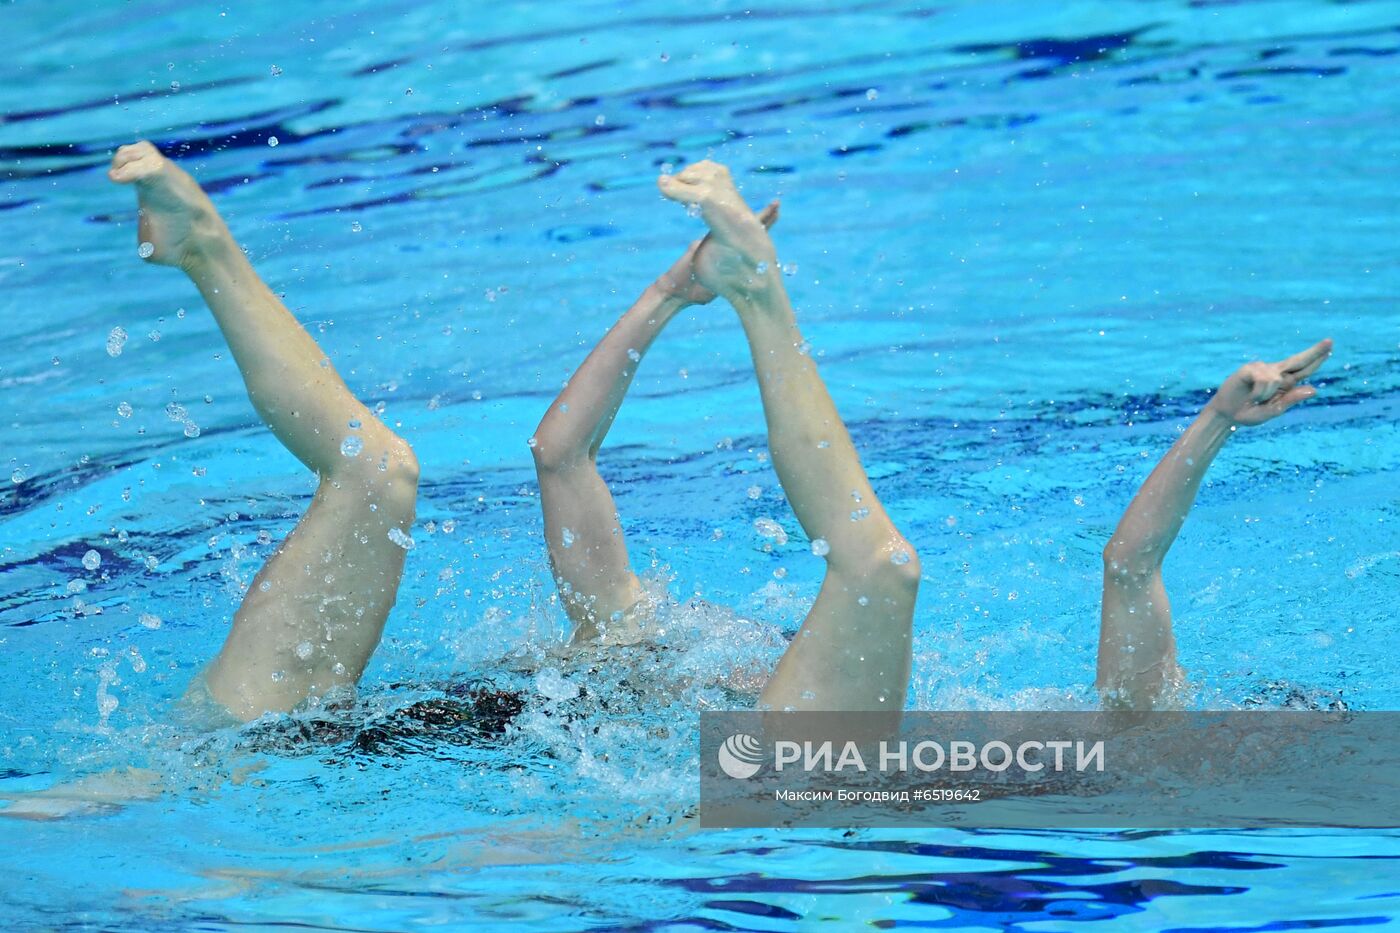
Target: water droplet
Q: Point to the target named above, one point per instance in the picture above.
(354, 424)
(355, 227)
(265, 586)
(665, 57)
(272, 142)
(820, 547)
(448, 526)
(567, 538)
(633, 355)
(599, 120)
(532, 443)
(823, 445)
(92, 560)
(151, 562)
(871, 94)
(761, 268)
(339, 669)
(278, 676)
(755, 492)
(18, 476)
(116, 340)
(399, 537)
(859, 514)
(351, 446)
(146, 250)
(304, 650)
(174, 85)
(790, 268)
(276, 72)
(692, 210)
(124, 409)
(900, 557)
(191, 429)
(863, 600)
(770, 529)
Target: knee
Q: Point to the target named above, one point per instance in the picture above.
(893, 566)
(400, 466)
(1125, 565)
(390, 479)
(905, 570)
(553, 457)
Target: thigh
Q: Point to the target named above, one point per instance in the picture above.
(854, 649)
(316, 610)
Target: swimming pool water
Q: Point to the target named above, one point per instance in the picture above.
(1025, 240)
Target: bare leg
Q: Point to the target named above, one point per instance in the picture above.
(316, 610)
(1137, 650)
(582, 531)
(853, 651)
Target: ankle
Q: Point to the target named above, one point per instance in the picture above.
(761, 297)
(209, 247)
(664, 299)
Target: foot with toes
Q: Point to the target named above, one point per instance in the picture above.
(178, 223)
(736, 260)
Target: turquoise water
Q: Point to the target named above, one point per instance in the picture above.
(1029, 238)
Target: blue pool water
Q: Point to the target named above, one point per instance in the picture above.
(1029, 238)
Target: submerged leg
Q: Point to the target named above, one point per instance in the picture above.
(316, 610)
(853, 651)
(582, 531)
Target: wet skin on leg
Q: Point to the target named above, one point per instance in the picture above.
(316, 610)
(586, 545)
(1137, 649)
(853, 651)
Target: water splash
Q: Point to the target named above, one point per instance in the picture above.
(116, 341)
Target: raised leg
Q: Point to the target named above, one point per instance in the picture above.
(582, 530)
(316, 610)
(1137, 648)
(853, 650)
